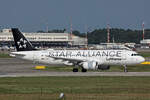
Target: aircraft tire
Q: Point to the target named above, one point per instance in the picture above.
(125, 70)
(75, 70)
(84, 70)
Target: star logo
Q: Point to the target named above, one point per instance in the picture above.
(22, 43)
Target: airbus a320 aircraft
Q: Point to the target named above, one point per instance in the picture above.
(86, 59)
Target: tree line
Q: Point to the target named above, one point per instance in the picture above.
(117, 35)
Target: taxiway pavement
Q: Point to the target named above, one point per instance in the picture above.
(12, 67)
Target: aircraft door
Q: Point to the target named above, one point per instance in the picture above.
(123, 57)
(35, 58)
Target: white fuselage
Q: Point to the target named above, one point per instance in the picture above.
(105, 57)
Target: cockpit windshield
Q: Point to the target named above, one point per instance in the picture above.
(135, 55)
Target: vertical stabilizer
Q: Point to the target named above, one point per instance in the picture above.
(21, 43)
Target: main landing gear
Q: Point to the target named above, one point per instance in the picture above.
(125, 68)
(75, 70)
(84, 70)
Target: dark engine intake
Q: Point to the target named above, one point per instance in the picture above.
(103, 67)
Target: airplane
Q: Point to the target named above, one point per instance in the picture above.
(86, 59)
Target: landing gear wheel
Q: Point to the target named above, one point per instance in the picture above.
(75, 69)
(84, 70)
(125, 68)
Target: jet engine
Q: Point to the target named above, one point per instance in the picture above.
(94, 66)
(90, 65)
(68, 63)
(104, 67)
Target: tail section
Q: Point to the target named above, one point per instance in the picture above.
(21, 43)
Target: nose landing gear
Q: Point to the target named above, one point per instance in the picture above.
(125, 68)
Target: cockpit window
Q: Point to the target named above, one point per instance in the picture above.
(135, 55)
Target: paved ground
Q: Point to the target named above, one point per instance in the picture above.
(76, 74)
(12, 67)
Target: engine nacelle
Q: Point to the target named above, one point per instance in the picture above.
(90, 65)
(68, 63)
(104, 67)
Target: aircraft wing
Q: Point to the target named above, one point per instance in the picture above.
(71, 60)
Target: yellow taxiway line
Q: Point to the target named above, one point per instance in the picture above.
(145, 63)
(40, 67)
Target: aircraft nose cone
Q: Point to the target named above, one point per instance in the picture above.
(142, 59)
